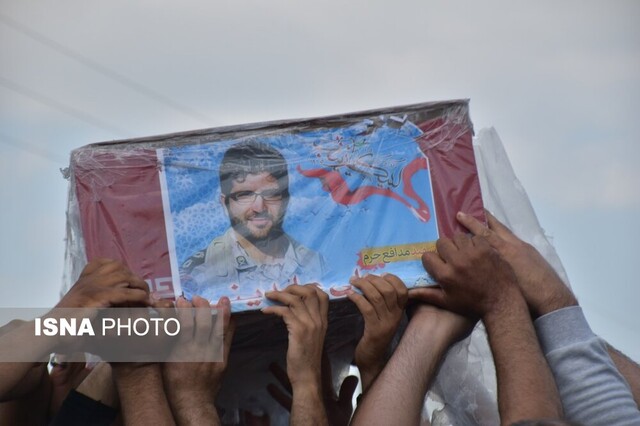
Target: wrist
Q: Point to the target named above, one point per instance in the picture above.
(369, 371)
(133, 373)
(187, 393)
(191, 406)
(305, 379)
(372, 368)
(439, 328)
(554, 302)
(511, 305)
(428, 335)
(133, 381)
(185, 400)
(370, 360)
(310, 390)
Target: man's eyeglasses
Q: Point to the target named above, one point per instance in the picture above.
(248, 197)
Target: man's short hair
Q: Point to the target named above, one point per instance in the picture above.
(249, 158)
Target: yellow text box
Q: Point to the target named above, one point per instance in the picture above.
(376, 256)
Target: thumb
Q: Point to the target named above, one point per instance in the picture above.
(432, 295)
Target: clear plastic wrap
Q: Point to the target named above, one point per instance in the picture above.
(506, 198)
(383, 183)
(361, 192)
(464, 392)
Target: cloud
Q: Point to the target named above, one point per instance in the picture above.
(558, 80)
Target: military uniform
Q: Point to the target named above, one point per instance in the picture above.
(225, 268)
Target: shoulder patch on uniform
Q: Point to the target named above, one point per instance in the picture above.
(196, 259)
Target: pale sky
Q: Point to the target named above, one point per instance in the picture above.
(560, 82)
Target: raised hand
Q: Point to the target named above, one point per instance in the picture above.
(304, 311)
(381, 304)
(104, 283)
(192, 387)
(474, 280)
(539, 283)
(338, 407)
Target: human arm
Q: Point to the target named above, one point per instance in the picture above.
(106, 283)
(99, 386)
(102, 283)
(338, 407)
(19, 379)
(55, 397)
(64, 377)
(139, 388)
(476, 282)
(397, 395)
(526, 387)
(30, 409)
(304, 311)
(592, 389)
(629, 369)
(381, 304)
(541, 286)
(543, 289)
(94, 401)
(192, 387)
(28, 403)
(141, 394)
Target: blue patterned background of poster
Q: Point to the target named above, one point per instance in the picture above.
(360, 200)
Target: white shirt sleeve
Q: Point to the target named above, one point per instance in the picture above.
(592, 390)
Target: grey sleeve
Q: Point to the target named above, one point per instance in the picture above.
(592, 390)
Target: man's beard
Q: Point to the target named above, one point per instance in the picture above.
(261, 236)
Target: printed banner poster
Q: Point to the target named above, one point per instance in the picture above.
(240, 210)
(253, 214)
